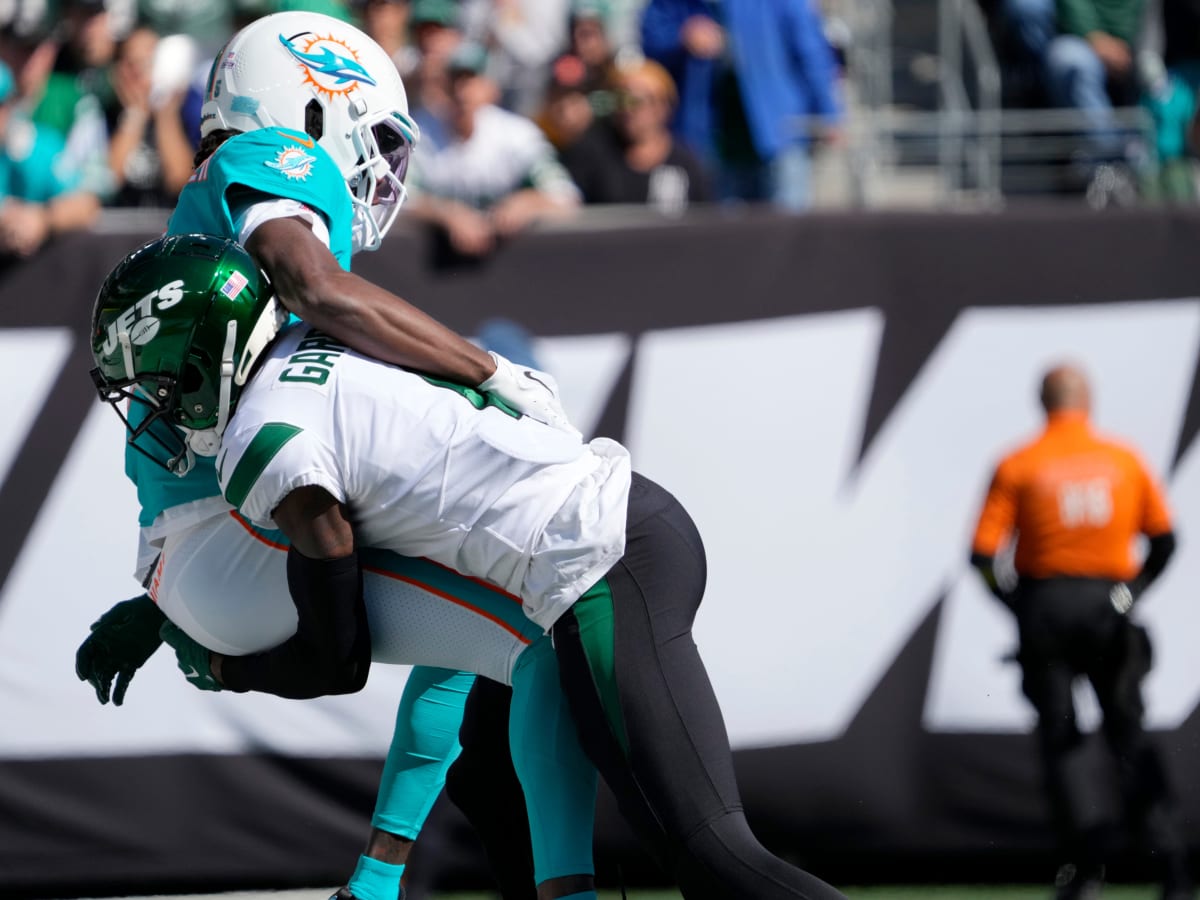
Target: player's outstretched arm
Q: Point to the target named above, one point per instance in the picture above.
(376, 322)
(310, 283)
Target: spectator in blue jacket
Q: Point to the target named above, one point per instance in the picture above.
(757, 83)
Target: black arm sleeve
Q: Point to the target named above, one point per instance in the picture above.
(330, 653)
(1162, 546)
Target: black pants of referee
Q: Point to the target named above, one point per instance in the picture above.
(668, 762)
(1069, 629)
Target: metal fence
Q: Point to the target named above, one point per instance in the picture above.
(970, 151)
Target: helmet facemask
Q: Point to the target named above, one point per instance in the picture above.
(156, 394)
(377, 185)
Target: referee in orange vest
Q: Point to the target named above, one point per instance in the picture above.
(1076, 502)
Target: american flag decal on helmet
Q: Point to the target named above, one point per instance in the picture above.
(233, 285)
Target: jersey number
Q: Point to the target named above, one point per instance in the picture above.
(1085, 503)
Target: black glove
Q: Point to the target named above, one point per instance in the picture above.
(120, 643)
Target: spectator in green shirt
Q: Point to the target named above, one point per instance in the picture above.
(71, 97)
(40, 190)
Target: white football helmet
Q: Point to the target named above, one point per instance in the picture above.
(324, 77)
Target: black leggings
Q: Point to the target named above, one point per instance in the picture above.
(657, 735)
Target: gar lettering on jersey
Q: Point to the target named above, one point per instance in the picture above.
(428, 469)
(264, 164)
(1076, 502)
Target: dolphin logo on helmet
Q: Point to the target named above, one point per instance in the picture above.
(326, 62)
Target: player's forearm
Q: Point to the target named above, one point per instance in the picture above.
(380, 324)
(330, 653)
(371, 320)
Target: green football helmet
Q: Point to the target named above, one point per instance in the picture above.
(176, 330)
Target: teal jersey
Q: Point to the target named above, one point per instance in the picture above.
(33, 165)
(275, 162)
(158, 489)
(247, 168)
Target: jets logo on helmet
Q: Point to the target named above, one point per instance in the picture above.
(139, 321)
(320, 76)
(177, 327)
(329, 65)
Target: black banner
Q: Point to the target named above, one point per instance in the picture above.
(887, 796)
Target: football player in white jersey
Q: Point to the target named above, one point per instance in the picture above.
(226, 583)
(341, 451)
(305, 142)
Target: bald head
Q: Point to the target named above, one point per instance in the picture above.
(1066, 388)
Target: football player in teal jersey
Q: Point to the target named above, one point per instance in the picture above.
(305, 143)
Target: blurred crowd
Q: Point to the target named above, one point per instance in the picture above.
(527, 108)
(531, 108)
(1099, 58)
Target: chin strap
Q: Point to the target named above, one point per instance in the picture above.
(207, 442)
(226, 391)
(183, 463)
(273, 318)
(365, 230)
(127, 355)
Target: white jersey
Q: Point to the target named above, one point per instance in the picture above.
(429, 469)
(505, 153)
(419, 613)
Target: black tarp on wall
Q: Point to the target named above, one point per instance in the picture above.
(884, 799)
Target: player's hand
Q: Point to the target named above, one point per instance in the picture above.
(1121, 598)
(194, 661)
(530, 392)
(120, 643)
